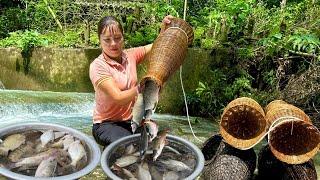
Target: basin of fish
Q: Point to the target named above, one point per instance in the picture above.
(43, 153)
(174, 161)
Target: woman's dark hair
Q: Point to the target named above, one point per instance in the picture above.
(106, 21)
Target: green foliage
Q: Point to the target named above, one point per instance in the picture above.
(11, 20)
(308, 43)
(24, 40)
(143, 36)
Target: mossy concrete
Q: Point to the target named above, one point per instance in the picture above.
(67, 70)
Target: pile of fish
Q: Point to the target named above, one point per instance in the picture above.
(163, 160)
(42, 153)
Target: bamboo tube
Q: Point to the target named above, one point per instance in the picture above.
(292, 137)
(168, 51)
(243, 123)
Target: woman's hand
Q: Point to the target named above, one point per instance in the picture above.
(166, 21)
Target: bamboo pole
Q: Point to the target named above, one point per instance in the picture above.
(53, 15)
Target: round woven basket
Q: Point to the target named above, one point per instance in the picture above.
(168, 51)
(243, 123)
(269, 167)
(228, 162)
(274, 104)
(292, 137)
(210, 147)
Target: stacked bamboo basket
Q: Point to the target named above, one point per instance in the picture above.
(292, 139)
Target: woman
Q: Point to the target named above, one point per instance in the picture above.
(114, 77)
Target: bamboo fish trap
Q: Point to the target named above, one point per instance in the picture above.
(226, 162)
(269, 167)
(292, 137)
(168, 51)
(243, 123)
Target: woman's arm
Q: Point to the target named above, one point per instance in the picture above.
(147, 48)
(120, 97)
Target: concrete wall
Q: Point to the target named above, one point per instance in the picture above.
(67, 70)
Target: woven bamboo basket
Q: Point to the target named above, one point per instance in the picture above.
(274, 104)
(168, 51)
(269, 167)
(228, 162)
(292, 137)
(210, 147)
(243, 123)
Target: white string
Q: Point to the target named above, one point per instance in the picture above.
(273, 126)
(184, 94)
(181, 30)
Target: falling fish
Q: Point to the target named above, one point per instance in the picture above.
(126, 161)
(46, 168)
(76, 152)
(143, 172)
(137, 113)
(152, 127)
(144, 139)
(11, 143)
(150, 97)
(159, 143)
(175, 165)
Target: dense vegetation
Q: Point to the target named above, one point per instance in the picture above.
(272, 43)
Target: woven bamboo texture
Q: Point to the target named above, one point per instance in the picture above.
(243, 123)
(274, 104)
(210, 147)
(269, 167)
(168, 51)
(227, 162)
(292, 138)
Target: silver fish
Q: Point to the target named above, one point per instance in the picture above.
(175, 165)
(170, 175)
(46, 137)
(64, 142)
(150, 95)
(156, 175)
(46, 168)
(159, 143)
(144, 139)
(152, 127)
(124, 171)
(172, 150)
(11, 143)
(36, 160)
(126, 161)
(59, 134)
(76, 152)
(22, 151)
(148, 152)
(130, 149)
(143, 172)
(137, 113)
